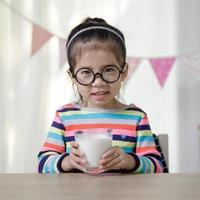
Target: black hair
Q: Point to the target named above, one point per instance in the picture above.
(114, 37)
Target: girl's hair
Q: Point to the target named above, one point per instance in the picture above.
(98, 30)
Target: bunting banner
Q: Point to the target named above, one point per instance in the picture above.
(39, 37)
(192, 61)
(62, 57)
(161, 66)
(133, 64)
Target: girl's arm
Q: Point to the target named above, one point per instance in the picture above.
(53, 150)
(148, 159)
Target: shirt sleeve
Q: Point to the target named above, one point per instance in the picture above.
(148, 159)
(53, 150)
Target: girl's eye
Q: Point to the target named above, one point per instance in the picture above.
(84, 73)
(109, 69)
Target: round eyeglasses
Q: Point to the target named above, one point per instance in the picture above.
(85, 76)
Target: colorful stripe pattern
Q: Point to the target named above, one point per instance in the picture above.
(130, 131)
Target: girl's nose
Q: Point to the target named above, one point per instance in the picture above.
(98, 80)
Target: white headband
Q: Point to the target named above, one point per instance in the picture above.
(90, 28)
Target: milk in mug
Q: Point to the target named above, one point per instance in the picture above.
(93, 145)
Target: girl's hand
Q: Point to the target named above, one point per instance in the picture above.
(115, 158)
(76, 159)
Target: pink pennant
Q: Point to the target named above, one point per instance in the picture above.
(162, 67)
(192, 62)
(39, 37)
(62, 43)
(133, 64)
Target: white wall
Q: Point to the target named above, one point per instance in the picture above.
(165, 29)
(31, 88)
(188, 87)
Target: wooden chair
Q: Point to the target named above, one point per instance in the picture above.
(161, 141)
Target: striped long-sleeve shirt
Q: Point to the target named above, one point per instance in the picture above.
(130, 131)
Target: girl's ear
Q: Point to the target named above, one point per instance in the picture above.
(125, 72)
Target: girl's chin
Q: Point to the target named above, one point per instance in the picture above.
(100, 104)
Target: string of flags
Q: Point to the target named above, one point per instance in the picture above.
(161, 66)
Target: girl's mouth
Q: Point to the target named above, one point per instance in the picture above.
(99, 95)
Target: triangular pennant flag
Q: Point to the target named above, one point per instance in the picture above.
(133, 63)
(39, 37)
(192, 61)
(62, 51)
(162, 67)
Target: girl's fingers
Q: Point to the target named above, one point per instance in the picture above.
(78, 162)
(119, 165)
(116, 165)
(74, 144)
(75, 149)
(110, 155)
(77, 152)
(112, 162)
(77, 159)
(113, 159)
(77, 165)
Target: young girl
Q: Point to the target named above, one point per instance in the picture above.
(96, 55)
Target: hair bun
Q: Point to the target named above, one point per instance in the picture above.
(95, 20)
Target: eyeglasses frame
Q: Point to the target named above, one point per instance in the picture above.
(99, 73)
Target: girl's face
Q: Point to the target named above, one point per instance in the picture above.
(99, 94)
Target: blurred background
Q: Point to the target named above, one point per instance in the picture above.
(163, 44)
